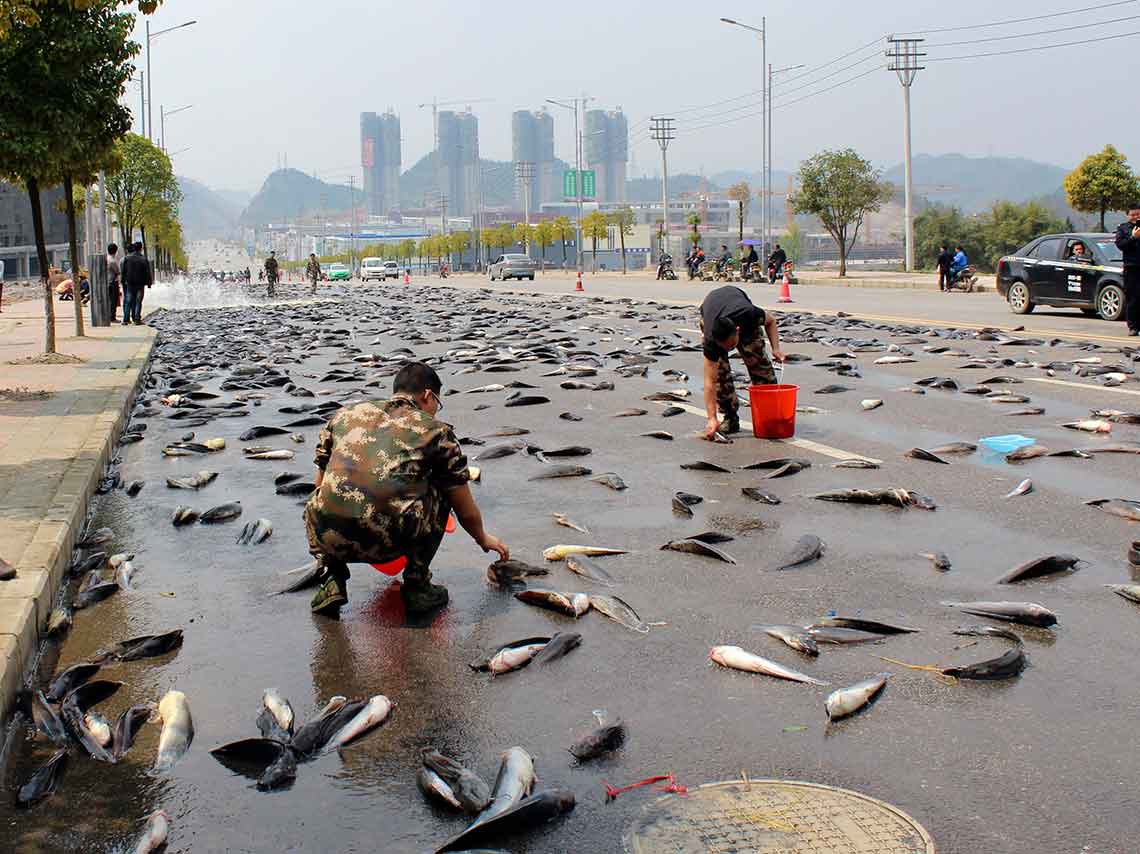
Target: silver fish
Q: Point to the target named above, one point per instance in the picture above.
(739, 659)
(514, 782)
(589, 569)
(1023, 488)
(847, 701)
(808, 548)
(619, 611)
(155, 833)
(374, 714)
(177, 730)
(1026, 613)
(796, 637)
(436, 789)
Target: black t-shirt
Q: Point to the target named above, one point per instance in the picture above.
(733, 303)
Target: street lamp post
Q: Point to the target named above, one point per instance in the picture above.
(149, 80)
(577, 175)
(762, 30)
(771, 74)
(162, 114)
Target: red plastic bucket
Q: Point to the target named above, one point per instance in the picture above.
(773, 411)
(395, 567)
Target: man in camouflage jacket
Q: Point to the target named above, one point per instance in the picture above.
(388, 476)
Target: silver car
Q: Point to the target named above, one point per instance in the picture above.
(512, 266)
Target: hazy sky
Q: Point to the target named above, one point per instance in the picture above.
(274, 77)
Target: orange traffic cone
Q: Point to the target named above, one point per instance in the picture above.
(786, 288)
(578, 287)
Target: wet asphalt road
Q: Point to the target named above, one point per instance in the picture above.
(1041, 762)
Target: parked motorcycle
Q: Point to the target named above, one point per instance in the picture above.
(964, 280)
(665, 268)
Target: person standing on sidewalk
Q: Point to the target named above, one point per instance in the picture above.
(730, 321)
(1128, 242)
(944, 260)
(136, 277)
(113, 279)
(313, 270)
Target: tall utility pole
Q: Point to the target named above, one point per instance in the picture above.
(904, 58)
(577, 171)
(149, 102)
(765, 190)
(663, 130)
(524, 171)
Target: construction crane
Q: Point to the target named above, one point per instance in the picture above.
(435, 104)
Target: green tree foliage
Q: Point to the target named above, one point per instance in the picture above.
(504, 236)
(694, 219)
(144, 187)
(523, 234)
(28, 13)
(623, 219)
(741, 194)
(544, 236)
(794, 243)
(1102, 182)
(458, 242)
(840, 188)
(62, 70)
(594, 226)
(563, 230)
(986, 237)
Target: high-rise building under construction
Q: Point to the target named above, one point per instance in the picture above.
(380, 157)
(607, 152)
(532, 141)
(457, 161)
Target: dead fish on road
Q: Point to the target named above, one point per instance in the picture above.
(566, 522)
(177, 730)
(618, 610)
(605, 739)
(1023, 488)
(855, 463)
(569, 416)
(260, 432)
(893, 497)
(778, 464)
(672, 411)
(300, 487)
(760, 495)
(939, 559)
(922, 454)
(698, 547)
(570, 451)
(531, 812)
(1122, 507)
(1028, 453)
(702, 465)
(496, 452)
(589, 569)
(840, 636)
(373, 714)
(570, 604)
(630, 413)
(528, 400)
(471, 794)
(222, 513)
(554, 472)
(1090, 426)
(872, 626)
(255, 532)
(1005, 666)
(44, 780)
(955, 448)
(738, 659)
(144, 646)
(96, 538)
(561, 552)
(797, 637)
(871, 403)
(657, 434)
(1026, 613)
(808, 548)
(1131, 592)
(279, 454)
(611, 480)
(847, 701)
(514, 782)
(563, 643)
(197, 481)
(504, 573)
(1038, 567)
(683, 502)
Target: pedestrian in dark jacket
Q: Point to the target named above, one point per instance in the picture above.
(136, 276)
(944, 261)
(113, 279)
(1128, 242)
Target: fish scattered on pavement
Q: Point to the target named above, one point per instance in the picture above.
(470, 793)
(1090, 426)
(797, 637)
(847, 701)
(738, 659)
(922, 454)
(1122, 507)
(1038, 567)
(552, 472)
(694, 546)
(702, 465)
(865, 625)
(1026, 613)
(513, 656)
(561, 552)
(1023, 488)
(44, 780)
(507, 572)
(177, 730)
(760, 495)
(255, 532)
(155, 833)
(940, 560)
(601, 741)
(808, 548)
(618, 610)
(589, 569)
(561, 644)
(570, 604)
(871, 403)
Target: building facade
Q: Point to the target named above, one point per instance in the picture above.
(607, 152)
(457, 161)
(532, 141)
(380, 160)
(17, 236)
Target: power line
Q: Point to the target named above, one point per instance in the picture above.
(1031, 49)
(1037, 33)
(1022, 20)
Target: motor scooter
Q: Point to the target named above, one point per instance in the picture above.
(665, 268)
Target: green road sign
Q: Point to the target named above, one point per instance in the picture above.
(570, 185)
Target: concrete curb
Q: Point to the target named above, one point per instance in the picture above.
(26, 601)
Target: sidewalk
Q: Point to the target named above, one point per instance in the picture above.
(58, 424)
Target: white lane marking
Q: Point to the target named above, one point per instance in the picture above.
(1085, 386)
(804, 444)
(693, 331)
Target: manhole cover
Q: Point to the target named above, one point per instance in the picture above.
(774, 817)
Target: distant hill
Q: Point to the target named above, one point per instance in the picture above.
(289, 193)
(974, 183)
(205, 213)
(240, 198)
(734, 176)
(641, 190)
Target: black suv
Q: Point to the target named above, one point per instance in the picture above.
(1045, 272)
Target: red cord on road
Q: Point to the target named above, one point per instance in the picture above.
(672, 787)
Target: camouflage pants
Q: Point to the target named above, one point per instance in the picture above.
(760, 371)
(415, 535)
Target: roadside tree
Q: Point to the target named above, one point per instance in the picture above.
(623, 219)
(563, 230)
(840, 188)
(544, 236)
(1102, 182)
(595, 225)
(794, 243)
(694, 220)
(523, 234)
(741, 194)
